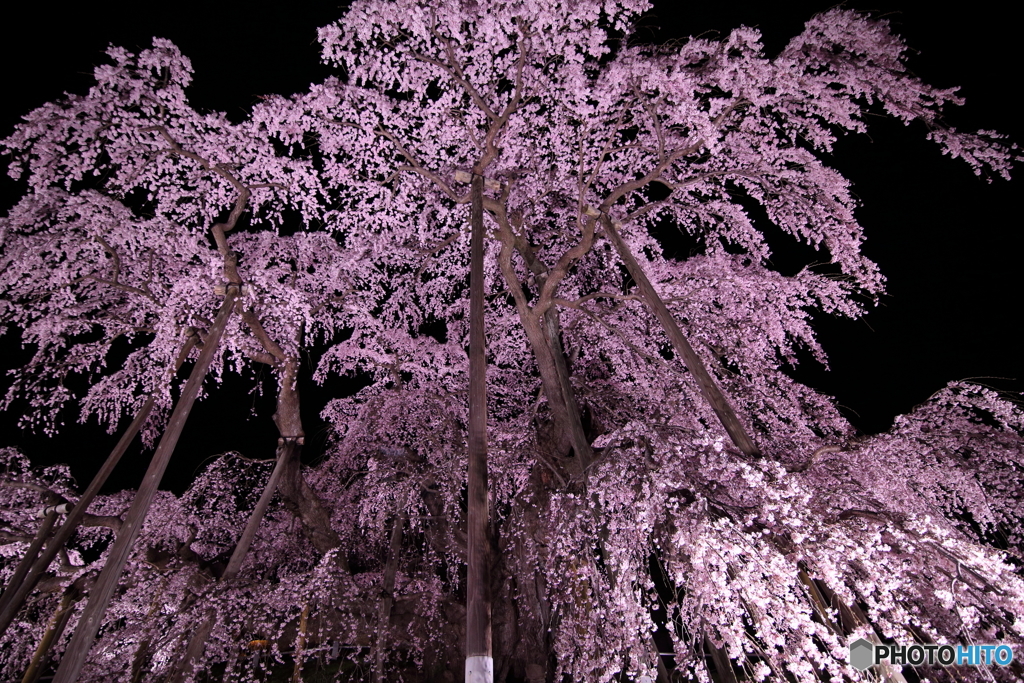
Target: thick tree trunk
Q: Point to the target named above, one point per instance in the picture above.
(565, 431)
(584, 454)
(505, 633)
(479, 662)
(92, 617)
(387, 600)
(540, 343)
(528, 559)
(15, 595)
(708, 388)
(298, 496)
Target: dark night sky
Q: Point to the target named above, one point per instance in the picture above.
(949, 243)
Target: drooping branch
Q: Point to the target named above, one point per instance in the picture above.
(617, 332)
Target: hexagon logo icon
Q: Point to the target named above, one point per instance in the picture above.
(862, 654)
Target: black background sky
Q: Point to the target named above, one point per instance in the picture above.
(949, 243)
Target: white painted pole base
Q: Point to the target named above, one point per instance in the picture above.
(479, 669)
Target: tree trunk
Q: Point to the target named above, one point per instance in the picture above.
(708, 388)
(387, 598)
(584, 454)
(92, 617)
(505, 632)
(298, 496)
(529, 559)
(15, 595)
(479, 662)
(565, 431)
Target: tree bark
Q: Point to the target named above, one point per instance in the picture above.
(528, 558)
(479, 662)
(387, 598)
(298, 496)
(708, 388)
(99, 598)
(542, 332)
(15, 595)
(584, 454)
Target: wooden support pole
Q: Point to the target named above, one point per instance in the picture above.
(300, 644)
(53, 632)
(196, 647)
(253, 525)
(721, 669)
(708, 388)
(479, 663)
(99, 598)
(45, 527)
(15, 595)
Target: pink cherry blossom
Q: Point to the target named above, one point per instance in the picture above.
(624, 519)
